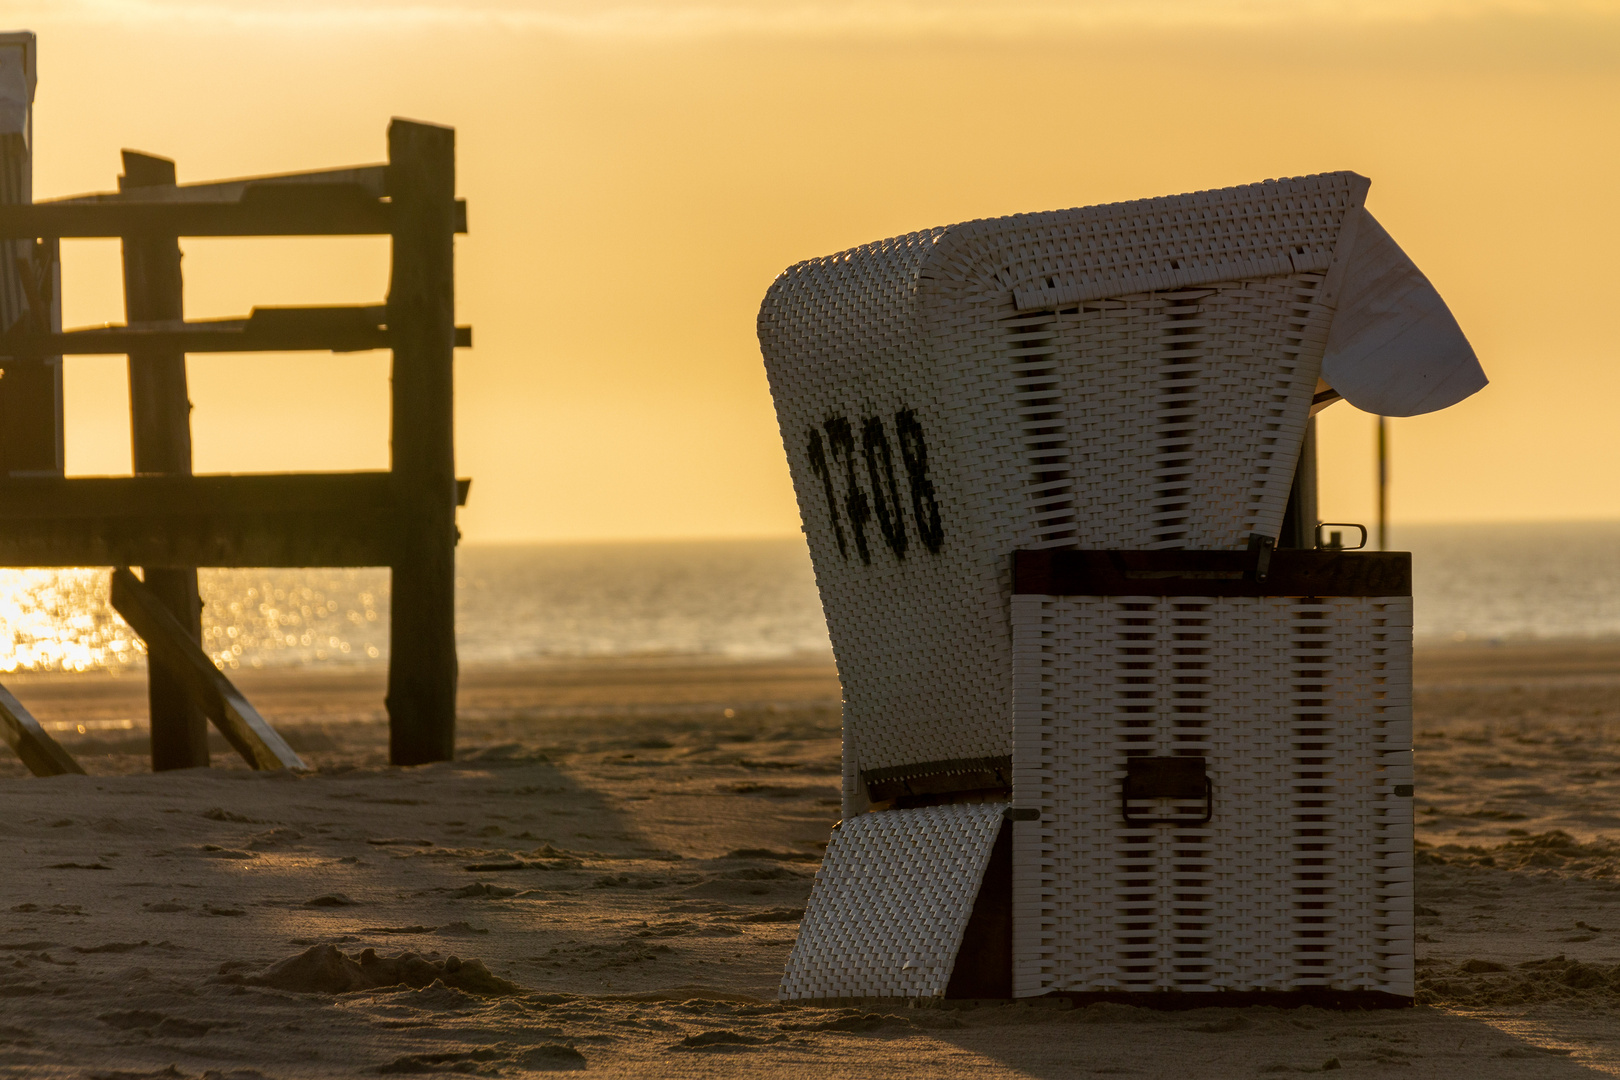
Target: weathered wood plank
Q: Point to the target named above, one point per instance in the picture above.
(314, 519)
(205, 686)
(315, 211)
(160, 429)
(43, 755)
(334, 329)
(370, 179)
(340, 186)
(82, 497)
(288, 539)
(422, 667)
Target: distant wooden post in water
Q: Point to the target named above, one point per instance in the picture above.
(1383, 484)
(170, 522)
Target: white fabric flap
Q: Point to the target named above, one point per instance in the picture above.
(1394, 348)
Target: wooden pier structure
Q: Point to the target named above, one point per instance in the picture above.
(168, 521)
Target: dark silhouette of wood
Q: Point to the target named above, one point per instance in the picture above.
(308, 519)
(170, 522)
(31, 389)
(160, 427)
(205, 687)
(372, 180)
(42, 754)
(344, 212)
(271, 210)
(421, 317)
(292, 329)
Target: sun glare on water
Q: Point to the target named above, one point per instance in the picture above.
(60, 620)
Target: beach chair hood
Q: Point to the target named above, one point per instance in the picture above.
(1394, 348)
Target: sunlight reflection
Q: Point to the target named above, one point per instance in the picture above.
(60, 620)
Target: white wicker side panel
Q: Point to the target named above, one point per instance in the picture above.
(890, 903)
(1302, 712)
(1391, 716)
(888, 440)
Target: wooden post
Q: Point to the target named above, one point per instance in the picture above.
(30, 277)
(160, 426)
(42, 754)
(195, 675)
(1383, 484)
(421, 317)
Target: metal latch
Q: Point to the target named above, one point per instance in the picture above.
(1183, 779)
(1335, 540)
(1260, 546)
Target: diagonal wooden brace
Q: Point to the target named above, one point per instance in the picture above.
(203, 683)
(42, 754)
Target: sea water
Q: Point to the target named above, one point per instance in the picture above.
(725, 598)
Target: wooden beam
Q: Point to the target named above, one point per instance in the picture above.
(372, 180)
(85, 497)
(337, 186)
(205, 686)
(285, 539)
(315, 211)
(160, 430)
(42, 754)
(308, 519)
(421, 315)
(293, 329)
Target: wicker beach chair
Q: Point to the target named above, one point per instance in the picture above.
(1132, 378)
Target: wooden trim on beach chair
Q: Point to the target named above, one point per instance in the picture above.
(196, 675)
(1179, 572)
(43, 755)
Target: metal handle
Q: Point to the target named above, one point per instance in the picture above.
(1166, 778)
(1333, 543)
(1209, 810)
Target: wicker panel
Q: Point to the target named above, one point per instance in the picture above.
(1302, 710)
(1166, 420)
(890, 903)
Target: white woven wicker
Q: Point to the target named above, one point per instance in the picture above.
(890, 903)
(1301, 880)
(1136, 375)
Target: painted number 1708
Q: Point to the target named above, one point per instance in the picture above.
(838, 452)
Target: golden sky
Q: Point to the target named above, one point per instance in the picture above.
(638, 173)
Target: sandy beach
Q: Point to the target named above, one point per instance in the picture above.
(609, 879)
